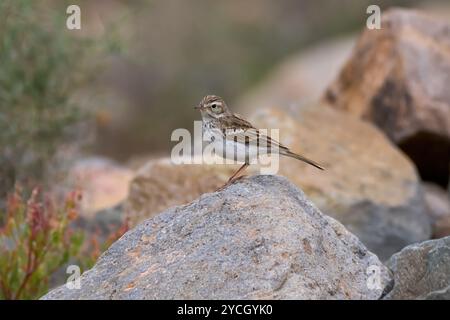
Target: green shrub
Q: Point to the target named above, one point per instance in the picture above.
(42, 65)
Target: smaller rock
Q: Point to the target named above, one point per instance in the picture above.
(421, 271)
(443, 294)
(103, 223)
(442, 227)
(104, 184)
(438, 203)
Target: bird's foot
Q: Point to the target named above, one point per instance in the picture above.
(230, 182)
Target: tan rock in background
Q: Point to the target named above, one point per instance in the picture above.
(103, 183)
(160, 184)
(398, 78)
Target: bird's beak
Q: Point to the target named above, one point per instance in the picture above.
(197, 107)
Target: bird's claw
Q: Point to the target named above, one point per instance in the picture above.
(230, 183)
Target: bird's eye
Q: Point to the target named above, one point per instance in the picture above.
(216, 108)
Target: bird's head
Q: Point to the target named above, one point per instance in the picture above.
(213, 107)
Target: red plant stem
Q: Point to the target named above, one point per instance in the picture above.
(28, 271)
(32, 267)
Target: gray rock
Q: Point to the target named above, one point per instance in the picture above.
(422, 271)
(438, 203)
(258, 239)
(103, 222)
(387, 229)
(443, 294)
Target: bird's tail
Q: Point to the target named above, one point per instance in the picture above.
(299, 157)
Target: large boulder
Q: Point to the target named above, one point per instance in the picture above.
(422, 271)
(368, 185)
(258, 239)
(398, 78)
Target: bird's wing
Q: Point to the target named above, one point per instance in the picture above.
(239, 130)
(236, 121)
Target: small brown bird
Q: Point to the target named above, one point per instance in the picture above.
(235, 138)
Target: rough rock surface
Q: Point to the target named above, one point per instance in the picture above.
(258, 239)
(422, 271)
(368, 185)
(398, 78)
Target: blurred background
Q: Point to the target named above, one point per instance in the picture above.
(108, 96)
(135, 69)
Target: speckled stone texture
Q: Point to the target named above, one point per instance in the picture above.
(422, 271)
(260, 238)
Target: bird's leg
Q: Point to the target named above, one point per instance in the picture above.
(234, 177)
